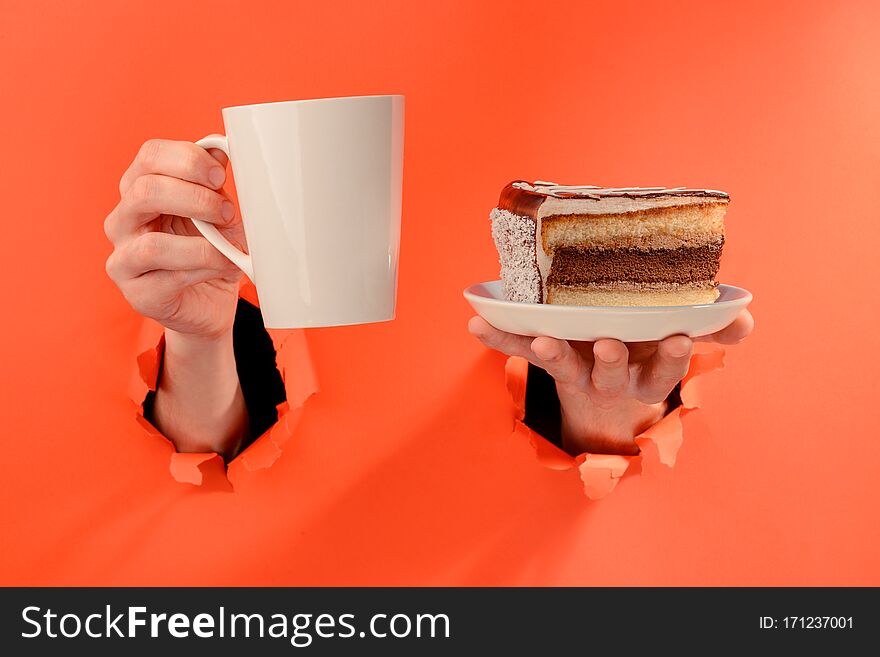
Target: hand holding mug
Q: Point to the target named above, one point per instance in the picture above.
(319, 182)
(164, 267)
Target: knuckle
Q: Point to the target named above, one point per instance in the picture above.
(108, 226)
(573, 380)
(487, 340)
(143, 189)
(205, 254)
(500, 341)
(678, 370)
(507, 344)
(111, 266)
(148, 248)
(608, 388)
(191, 163)
(205, 201)
(555, 358)
(497, 343)
(178, 277)
(148, 154)
(668, 380)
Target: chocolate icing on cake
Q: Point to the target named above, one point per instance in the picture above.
(520, 201)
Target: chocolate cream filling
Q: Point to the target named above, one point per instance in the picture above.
(576, 266)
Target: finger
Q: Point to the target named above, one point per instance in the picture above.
(219, 155)
(179, 159)
(562, 362)
(506, 343)
(735, 332)
(665, 369)
(181, 278)
(610, 374)
(153, 195)
(163, 251)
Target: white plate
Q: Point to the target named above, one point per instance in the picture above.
(589, 323)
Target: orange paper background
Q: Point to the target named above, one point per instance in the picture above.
(404, 467)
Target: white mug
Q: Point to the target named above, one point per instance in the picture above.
(319, 186)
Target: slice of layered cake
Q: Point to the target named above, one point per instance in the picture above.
(606, 246)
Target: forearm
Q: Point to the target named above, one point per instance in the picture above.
(199, 404)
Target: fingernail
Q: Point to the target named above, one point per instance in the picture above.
(216, 175)
(228, 210)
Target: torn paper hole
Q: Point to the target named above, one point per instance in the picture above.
(207, 469)
(600, 473)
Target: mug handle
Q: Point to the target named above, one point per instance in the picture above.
(239, 258)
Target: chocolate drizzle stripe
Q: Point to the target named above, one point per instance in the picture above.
(524, 199)
(594, 192)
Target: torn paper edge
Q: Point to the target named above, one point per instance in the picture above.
(294, 362)
(599, 473)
